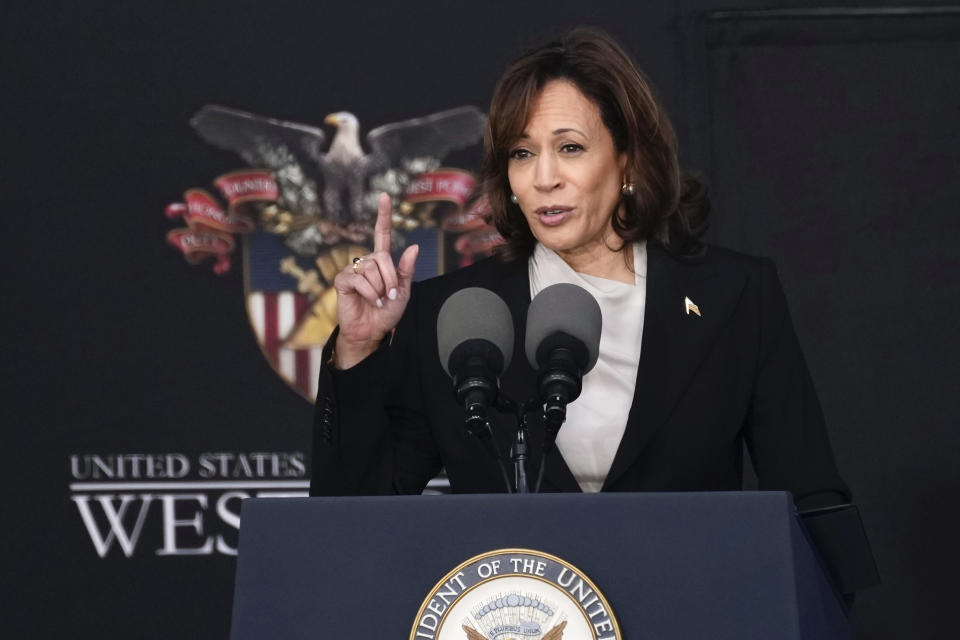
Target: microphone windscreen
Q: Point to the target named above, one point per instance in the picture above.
(568, 308)
(474, 313)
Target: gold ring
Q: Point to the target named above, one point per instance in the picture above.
(356, 263)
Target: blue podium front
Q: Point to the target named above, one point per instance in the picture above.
(670, 565)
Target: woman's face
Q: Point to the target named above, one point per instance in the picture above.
(566, 172)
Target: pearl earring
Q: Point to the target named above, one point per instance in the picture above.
(628, 189)
(514, 199)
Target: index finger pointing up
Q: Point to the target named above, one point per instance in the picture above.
(381, 232)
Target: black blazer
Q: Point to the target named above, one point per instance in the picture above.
(704, 385)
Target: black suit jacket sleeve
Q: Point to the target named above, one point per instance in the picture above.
(785, 429)
(370, 436)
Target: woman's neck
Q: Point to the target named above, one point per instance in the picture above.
(602, 261)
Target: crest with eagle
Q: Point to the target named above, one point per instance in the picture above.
(328, 194)
(307, 206)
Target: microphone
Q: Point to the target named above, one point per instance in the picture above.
(563, 343)
(475, 342)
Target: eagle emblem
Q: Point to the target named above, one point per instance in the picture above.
(303, 208)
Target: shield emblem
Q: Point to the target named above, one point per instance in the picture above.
(291, 304)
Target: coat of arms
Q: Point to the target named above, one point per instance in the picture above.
(515, 594)
(303, 209)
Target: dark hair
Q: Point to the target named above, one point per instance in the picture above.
(669, 205)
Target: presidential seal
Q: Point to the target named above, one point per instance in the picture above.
(515, 594)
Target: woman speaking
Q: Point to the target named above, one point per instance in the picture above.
(697, 354)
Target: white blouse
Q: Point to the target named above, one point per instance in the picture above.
(597, 419)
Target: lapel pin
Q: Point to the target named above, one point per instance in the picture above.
(690, 306)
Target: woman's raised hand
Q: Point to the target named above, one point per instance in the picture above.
(372, 294)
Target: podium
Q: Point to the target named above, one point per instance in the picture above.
(671, 565)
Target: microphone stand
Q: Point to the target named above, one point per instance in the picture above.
(518, 453)
(552, 420)
(519, 450)
(478, 426)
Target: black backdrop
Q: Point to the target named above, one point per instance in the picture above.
(830, 139)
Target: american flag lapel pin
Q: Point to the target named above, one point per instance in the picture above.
(688, 306)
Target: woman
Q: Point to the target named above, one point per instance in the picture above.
(698, 353)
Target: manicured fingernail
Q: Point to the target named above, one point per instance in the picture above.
(392, 294)
(379, 302)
